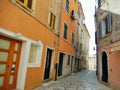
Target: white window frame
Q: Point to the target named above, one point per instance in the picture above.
(23, 64)
(32, 12)
(37, 62)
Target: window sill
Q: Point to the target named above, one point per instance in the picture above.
(25, 9)
(107, 35)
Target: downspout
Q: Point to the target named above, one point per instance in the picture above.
(59, 27)
(60, 21)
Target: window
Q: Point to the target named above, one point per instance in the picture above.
(105, 22)
(65, 31)
(77, 43)
(72, 39)
(75, 1)
(81, 34)
(68, 63)
(35, 55)
(28, 4)
(32, 55)
(67, 5)
(52, 20)
(105, 26)
(80, 48)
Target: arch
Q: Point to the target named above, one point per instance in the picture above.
(104, 66)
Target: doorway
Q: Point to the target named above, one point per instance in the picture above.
(104, 67)
(60, 66)
(72, 64)
(48, 64)
(9, 62)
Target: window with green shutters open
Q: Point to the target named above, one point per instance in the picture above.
(72, 39)
(65, 31)
(68, 62)
(75, 1)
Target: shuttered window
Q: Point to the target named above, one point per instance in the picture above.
(27, 4)
(67, 5)
(75, 1)
(68, 63)
(72, 39)
(65, 31)
(99, 29)
(109, 22)
(52, 20)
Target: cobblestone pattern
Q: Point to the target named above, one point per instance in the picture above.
(84, 80)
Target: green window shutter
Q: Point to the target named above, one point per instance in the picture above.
(100, 29)
(68, 63)
(67, 5)
(72, 38)
(75, 1)
(65, 31)
(109, 22)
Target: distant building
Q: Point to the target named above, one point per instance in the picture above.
(92, 61)
(83, 40)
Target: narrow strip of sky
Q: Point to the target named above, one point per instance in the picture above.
(89, 10)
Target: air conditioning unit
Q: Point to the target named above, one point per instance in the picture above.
(73, 14)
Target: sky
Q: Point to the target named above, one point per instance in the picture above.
(89, 9)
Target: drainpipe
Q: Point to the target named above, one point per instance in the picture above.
(60, 21)
(59, 27)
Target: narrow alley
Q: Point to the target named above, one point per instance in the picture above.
(84, 80)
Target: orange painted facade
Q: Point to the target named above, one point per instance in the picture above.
(34, 27)
(65, 44)
(42, 26)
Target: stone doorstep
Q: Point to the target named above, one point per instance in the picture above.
(46, 84)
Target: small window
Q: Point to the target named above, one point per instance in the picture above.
(75, 1)
(35, 55)
(52, 20)
(28, 4)
(72, 39)
(68, 62)
(65, 31)
(67, 5)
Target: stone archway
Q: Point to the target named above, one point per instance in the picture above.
(104, 67)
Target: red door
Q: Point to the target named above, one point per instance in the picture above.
(9, 61)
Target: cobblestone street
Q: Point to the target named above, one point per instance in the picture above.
(84, 80)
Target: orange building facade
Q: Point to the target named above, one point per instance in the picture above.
(37, 42)
(68, 27)
(28, 27)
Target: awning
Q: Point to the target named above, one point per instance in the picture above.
(115, 48)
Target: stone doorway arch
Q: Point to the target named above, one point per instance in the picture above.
(104, 67)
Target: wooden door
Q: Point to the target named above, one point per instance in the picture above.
(60, 67)
(104, 68)
(9, 61)
(48, 64)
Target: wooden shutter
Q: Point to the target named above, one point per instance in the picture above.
(65, 31)
(109, 22)
(100, 29)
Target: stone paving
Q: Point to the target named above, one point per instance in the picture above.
(84, 80)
